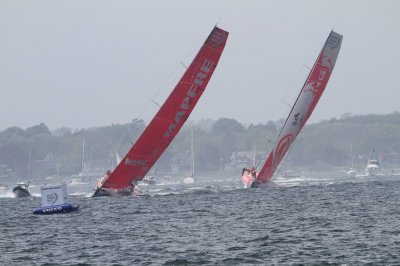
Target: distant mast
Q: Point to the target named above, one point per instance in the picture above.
(192, 149)
(83, 155)
(29, 164)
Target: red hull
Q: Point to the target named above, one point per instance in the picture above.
(247, 180)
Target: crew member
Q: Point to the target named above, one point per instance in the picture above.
(253, 172)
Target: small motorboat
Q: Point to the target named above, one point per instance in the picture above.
(99, 192)
(55, 200)
(21, 190)
(372, 168)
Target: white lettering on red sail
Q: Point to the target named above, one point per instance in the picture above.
(207, 65)
(304, 105)
(172, 115)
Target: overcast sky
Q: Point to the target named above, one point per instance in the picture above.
(92, 63)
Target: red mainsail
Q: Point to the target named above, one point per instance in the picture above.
(171, 116)
(304, 105)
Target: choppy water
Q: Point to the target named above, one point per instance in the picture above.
(295, 221)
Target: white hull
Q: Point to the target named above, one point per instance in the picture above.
(188, 180)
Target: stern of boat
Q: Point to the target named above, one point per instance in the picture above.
(247, 180)
(105, 192)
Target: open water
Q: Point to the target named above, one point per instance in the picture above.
(294, 221)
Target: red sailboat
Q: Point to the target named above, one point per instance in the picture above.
(301, 111)
(167, 122)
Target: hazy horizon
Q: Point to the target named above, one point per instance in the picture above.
(94, 63)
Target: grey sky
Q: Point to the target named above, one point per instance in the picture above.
(93, 63)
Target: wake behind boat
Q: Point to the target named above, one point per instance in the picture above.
(21, 190)
(167, 122)
(301, 111)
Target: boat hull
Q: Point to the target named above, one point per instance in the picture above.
(62, 208)
(103, 192)
(188, 180)
(249, 181)
(20, 192)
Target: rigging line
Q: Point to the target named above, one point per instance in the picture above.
(292, 83)
(258, 164)
(134, 124)
(168, 79)
(130, 141)
(289, 89)
(156, 103)
(311, 58)
(304, 84)
(219, 19)
(184, 65)
(264, 153)
(288, 104)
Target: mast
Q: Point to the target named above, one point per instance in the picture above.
(351, 154)
(304, 105)
(83, 155)
(57, 166)
(29, 164)
(254, 156)
(192, 148)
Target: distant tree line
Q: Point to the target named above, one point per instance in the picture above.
(331, 143)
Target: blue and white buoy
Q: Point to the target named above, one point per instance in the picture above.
(55, 200)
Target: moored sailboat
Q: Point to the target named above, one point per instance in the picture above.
(301, 111)
(167, 122)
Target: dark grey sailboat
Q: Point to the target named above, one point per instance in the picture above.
(21, 190)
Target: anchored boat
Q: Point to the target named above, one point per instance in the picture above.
(373, 167)
(301, 111)
(167, 122)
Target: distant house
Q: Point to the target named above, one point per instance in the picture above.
(96, 168)
(4, 170)
(48, 163)
(180, 162)
(241, 159)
